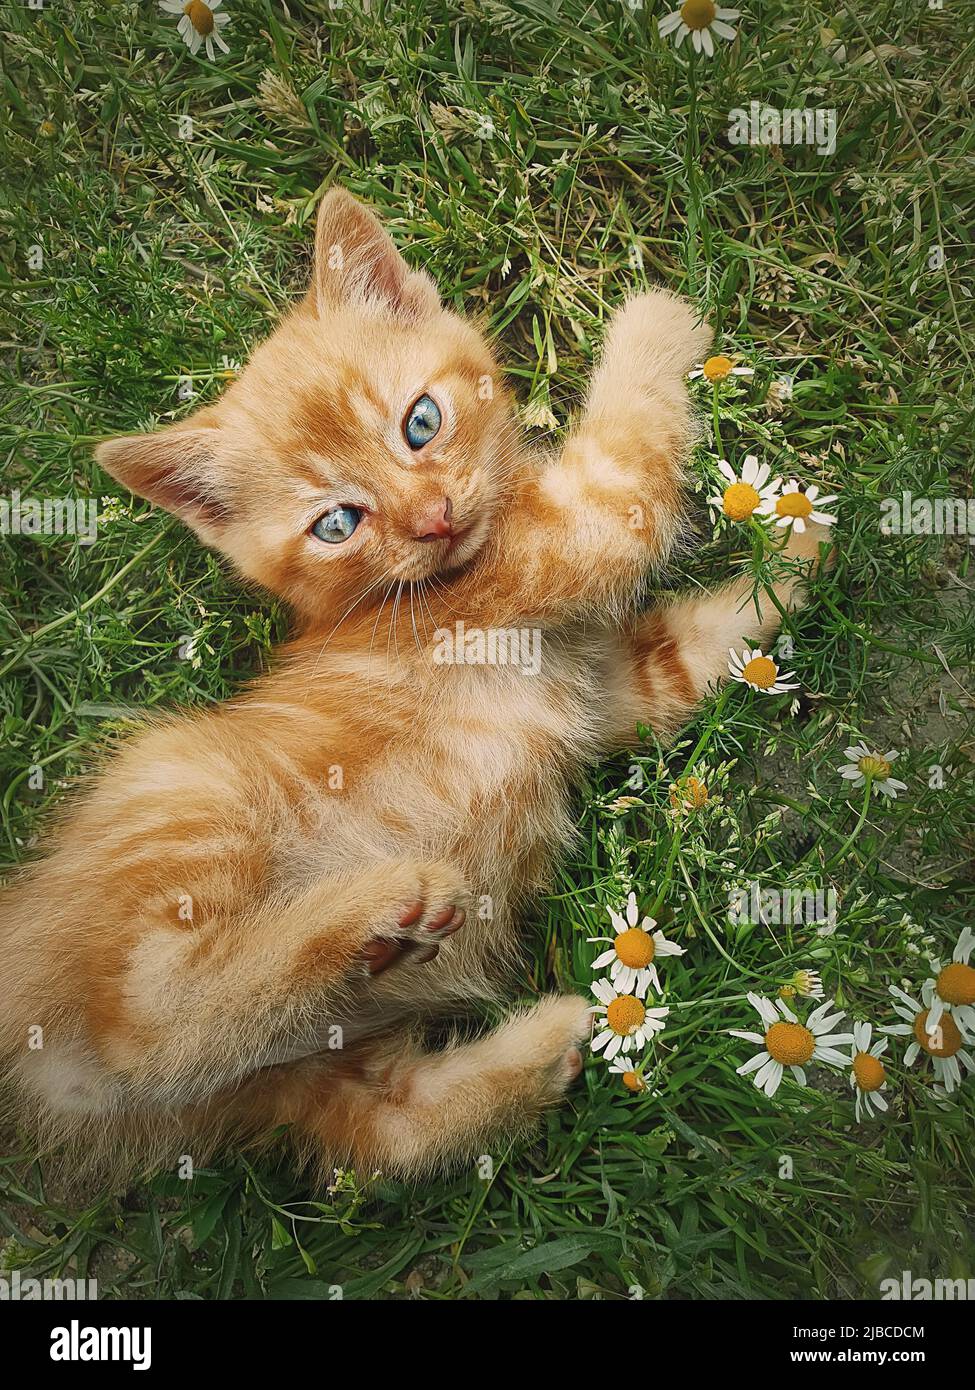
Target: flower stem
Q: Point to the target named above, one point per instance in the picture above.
(702, 742)
(857, 828)
(657, 903)
(31, 640)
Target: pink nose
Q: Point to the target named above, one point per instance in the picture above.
(437, 522)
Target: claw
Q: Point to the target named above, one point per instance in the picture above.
(411, 915)
(380, 954)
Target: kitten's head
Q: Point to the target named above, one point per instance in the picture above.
(368, 441)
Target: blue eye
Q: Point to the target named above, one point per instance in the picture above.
(422, 423)
(337, 525)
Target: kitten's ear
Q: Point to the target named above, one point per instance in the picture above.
(175, 468)
(355, 260)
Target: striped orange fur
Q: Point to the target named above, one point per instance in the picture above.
(248, 917)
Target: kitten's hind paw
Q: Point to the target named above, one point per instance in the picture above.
(433, 907)
(544, 1042)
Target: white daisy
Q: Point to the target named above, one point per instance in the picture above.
(717, 369)
(868, 1077)
(632, 1079)
(634, 951)
(944, 1042)
(629, 1023)
(199, 25)
(759, 671)
(953, 991)
(863, 764)
(747, 494)
(700, 19)
(808, 984)
(794, 508)
(788, 1043)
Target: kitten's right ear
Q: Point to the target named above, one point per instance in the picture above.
(174, 468)
(356, 261)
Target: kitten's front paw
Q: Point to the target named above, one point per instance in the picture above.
(430, 905)
(659, 330)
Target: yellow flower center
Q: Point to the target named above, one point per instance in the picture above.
(760, 671)
(625, 1014)
(635, 948)
(691, 793)
(956, 984)
(868, 1071)
(698, 14)
(788, 992)
(793, 504)
(200, 16)
(949, 1040)
(872, 766)
(790, 1043)
(633, 1081)
(739, 501)
(716, 368)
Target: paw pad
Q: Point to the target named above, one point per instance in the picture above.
(378, 955)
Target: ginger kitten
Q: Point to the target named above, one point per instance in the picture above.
(343, 852)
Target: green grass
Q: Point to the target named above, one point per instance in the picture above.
(166, 258)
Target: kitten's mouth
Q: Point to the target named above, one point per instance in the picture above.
(459, 547)
(454, 540)
(449, 547)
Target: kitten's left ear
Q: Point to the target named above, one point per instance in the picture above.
(356, 261)
(177, 468)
